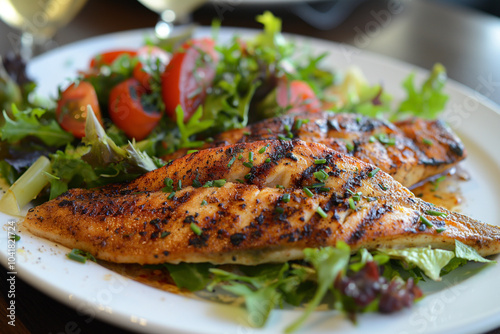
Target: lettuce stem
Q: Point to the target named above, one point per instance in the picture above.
(26, 188)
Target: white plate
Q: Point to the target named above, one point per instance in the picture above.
(455, 306)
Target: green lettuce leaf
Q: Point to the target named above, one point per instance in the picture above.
(462, 251)
(103, 151)
(30, 123)
(428, 101)
(193, 126)
(328, 263)
(429, 260)
(192, 276)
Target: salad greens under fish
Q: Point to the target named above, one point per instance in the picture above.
(246, 81)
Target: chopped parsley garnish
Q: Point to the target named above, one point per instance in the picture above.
(248, 164)
(320, 161)
(169, 185)
(285, 198)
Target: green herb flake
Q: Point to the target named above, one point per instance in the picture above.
(427, 142)
(349, 146)
(15, 237)
(219, 183)
(195, 228)
(321, 212)
(279, 210)
(250, 156)
(374, 172)
(268, 160)
(80, 256)
(263, 149)
(285, 198)
(352, 205)
(321, 175)
(204, 202)
(192, 151)
(320, 161)
(436, 213)
(308, 192)
(426, 221)
(230, 163)
(164, 234)
(248, 164)
(169, 185)
(172, 194)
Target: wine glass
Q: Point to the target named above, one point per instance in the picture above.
(38, 22)
(170, 11)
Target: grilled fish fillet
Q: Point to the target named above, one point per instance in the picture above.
(411, 151)
(249, 220)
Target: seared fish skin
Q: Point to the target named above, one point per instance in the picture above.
(254, 221)
(410, 151)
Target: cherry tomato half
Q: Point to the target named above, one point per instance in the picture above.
(297, 95)
(149, 58)
(107, 58)
(127, 111)
(71, 112)
(188, 75)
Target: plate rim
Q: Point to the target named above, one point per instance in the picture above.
(454, 85)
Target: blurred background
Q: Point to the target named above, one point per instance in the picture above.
(463, 35)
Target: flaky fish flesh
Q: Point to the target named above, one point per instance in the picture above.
(252, 203)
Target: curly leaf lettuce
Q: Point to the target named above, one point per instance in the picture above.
(428, 101)
(29, 122)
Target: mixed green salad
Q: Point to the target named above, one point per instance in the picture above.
(130, 108)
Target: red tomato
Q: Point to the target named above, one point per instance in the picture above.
(127, 112)
(297, 95)
(148, 57)
(107, 58)
(71, 112)
(188, 75)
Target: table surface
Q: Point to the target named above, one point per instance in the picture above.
(466, 42)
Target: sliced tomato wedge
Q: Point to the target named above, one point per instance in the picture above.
(107, 58)
(188, 75)
(127, 111)
(71, 111)
(296, 96)
(149, 58)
